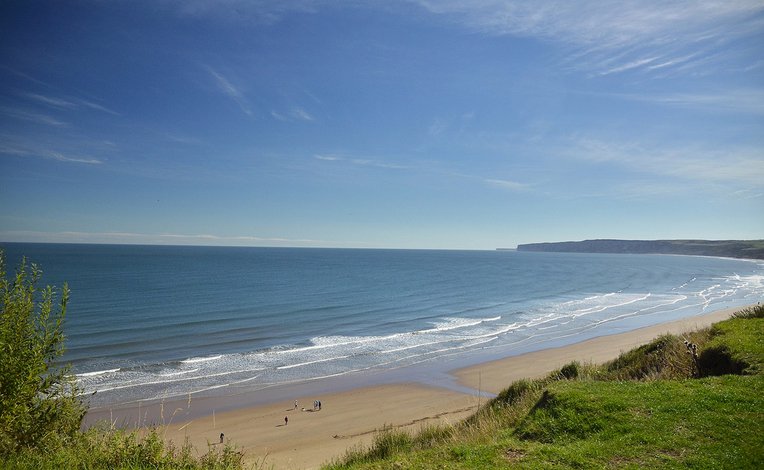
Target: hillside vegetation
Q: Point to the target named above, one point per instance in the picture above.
(750, 249)
(677, 402)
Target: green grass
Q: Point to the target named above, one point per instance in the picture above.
(119, 449)
(644, 409)
(736, 347)
(704, 423)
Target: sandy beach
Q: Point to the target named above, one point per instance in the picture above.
(350, 418)
(312, 437)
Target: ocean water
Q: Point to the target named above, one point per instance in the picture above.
(156, 322)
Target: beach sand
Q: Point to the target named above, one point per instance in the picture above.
(351, 418)
(312, 437)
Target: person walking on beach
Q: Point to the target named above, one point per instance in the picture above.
(221, 437)
(286, 420)
(295, 404)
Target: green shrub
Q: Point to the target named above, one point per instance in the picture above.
(39, 406)
(570, 371)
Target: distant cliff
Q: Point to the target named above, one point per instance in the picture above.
(753, 249)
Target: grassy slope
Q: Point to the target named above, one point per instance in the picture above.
(708, 422)
(642, 410)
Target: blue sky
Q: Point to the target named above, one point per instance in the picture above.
(400, 124)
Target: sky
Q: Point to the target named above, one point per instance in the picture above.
(453, 124)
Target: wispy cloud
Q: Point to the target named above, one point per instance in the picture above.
(164, 239)
(258, 11)
(67, 103)
(55, 102)
(507, 184)
(748, 194)
(607, 37)
(32, 116)
(628, 66)
(452, 125)
(499, 183)
(73, 159)
(302, 114)
(180, 139)
(97, 107)
(21, 151)
(601, 37)
(224, 85)
(327, 158)
(740, 100)
(361, 161)
(736, 165)
(295, 114)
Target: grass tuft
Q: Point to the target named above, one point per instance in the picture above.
(756, 311)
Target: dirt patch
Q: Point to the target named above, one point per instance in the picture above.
(513, 455)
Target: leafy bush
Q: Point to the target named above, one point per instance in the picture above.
(570, 371)
(39, 407)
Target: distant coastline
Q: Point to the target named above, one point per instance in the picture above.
(747, 249)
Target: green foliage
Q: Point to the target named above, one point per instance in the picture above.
(570, 371)
(39, 407)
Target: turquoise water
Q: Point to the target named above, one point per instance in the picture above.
(152, 322)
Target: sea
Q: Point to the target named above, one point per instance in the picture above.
(160, 322)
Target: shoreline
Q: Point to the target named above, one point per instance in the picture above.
(349, 418)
